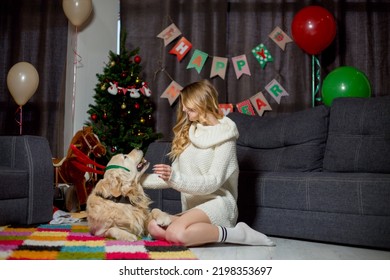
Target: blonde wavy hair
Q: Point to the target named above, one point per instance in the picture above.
(201, 97)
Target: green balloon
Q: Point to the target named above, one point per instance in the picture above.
(345, 81)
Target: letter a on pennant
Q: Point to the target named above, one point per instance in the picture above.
(182, 47)
(260, 103)
(198, 60)
(172, 92)
(276, 90)
(169, 34)
(241, 65)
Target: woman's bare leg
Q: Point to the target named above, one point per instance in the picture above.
(190, 229)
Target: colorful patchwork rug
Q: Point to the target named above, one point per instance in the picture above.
(74, 242)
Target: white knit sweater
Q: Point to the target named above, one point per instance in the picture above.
(206, 172)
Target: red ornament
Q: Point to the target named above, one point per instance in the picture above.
(137, 59)
(136, 105)
(94, 117)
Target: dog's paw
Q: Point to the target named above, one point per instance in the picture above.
(163, 219)
(120, 234)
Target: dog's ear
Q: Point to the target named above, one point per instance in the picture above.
(110, 185)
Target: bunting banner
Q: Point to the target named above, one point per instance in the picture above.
(260, 103)
(246, 108)
(262, 55)
(172, 92)
(226, 109)
(219, 67)
(240, 65)
(255, 104)
(279, 37)
(169, 34)
(198, 60)
(182, 47)
(276, 90)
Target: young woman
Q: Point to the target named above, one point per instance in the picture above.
(205, 171)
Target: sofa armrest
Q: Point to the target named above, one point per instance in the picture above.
(167, 200)
(31, 153)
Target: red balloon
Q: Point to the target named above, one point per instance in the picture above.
(313, 29)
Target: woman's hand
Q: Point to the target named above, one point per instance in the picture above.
(163, 171)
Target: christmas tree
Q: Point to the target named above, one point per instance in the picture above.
(122, 114)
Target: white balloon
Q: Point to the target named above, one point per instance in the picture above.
(77, 11)
(22, 82)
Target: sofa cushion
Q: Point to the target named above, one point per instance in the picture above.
(359, 135)
(293, 142)
(333, 192)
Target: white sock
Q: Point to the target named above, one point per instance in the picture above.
(243, 234)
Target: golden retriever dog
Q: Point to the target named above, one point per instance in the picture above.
(118, 207)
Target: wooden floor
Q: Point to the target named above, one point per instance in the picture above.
(288, 249)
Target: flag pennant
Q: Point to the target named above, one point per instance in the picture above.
(219, 67)
(262, 55)
(172, 92)
(246, 108)
(226, 109)
(240, 65)
(260, 103)
(279, 37)
(169, 34)
(276, 90)
(182, 47)
(198, 60)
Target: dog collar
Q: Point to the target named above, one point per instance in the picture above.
(119, 199)
(116, 167)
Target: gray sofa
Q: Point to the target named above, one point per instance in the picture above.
(321, 174)
(26, 180)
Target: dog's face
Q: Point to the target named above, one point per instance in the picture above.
(127, 169)
(134, 163)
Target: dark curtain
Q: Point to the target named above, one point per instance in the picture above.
(229, 28)
(34, 31)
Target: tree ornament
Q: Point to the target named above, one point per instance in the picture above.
(113, 89)
(94, 117)
(113, 149)
(123, 106)
(137, 59)
(142, 120)
(103, 87)
(112, 63)
(146, 90)
(136, 105)
(137, 80)
(104, 115)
